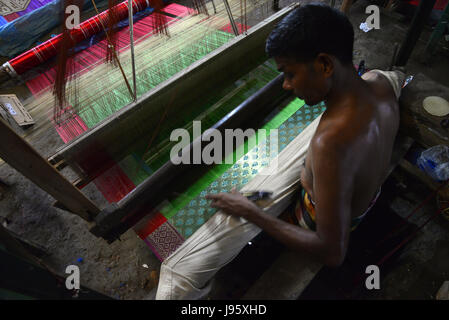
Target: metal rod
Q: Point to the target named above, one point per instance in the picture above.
(131, 41)
(422, 13)
(246, 20)
(231, 18)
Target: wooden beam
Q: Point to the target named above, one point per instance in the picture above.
(419, 20)
(24, 158)
(443, 191)
(13, 245)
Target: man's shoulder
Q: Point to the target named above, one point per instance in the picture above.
(331, 139)
(339, 127)
(385, 82)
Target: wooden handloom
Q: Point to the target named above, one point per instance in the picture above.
(231, 61)
(106, 140)
(237, 57)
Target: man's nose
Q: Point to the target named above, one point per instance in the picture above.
(286, 85)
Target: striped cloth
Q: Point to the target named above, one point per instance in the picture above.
(5, 6)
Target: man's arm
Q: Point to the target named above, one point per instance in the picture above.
(333, 198)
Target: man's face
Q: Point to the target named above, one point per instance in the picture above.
(303, 78)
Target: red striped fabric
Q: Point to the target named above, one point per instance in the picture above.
(11, 17)
(114, 184)
(148, 228)
(70, 128)
(228, 28)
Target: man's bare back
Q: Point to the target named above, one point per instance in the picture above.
(366, 124)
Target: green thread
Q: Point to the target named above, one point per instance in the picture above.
(108, 101)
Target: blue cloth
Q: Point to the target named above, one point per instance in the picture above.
(2, 21)
(21, 34)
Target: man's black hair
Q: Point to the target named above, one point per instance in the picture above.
(312, 29)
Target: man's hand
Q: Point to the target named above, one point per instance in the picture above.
(233, 203)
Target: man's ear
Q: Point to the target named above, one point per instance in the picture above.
(325, 64)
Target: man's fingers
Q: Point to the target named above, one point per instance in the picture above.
(212, 196)
(216, 204)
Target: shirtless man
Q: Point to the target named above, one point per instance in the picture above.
(349, 154)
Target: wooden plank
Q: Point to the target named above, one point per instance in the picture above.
(135, 123)
(21, 156)
(420, 175)
(30, 246)
(422, 13)
(60, 165)
(424, 178)
(286, 278)
(13, 245)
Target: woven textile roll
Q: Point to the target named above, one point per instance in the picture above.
(88, 28)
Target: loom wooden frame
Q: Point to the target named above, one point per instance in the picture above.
(232, 60)
(19, 154)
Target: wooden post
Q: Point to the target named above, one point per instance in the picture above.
(345, 6)
(419, 20)
(25, 159)
(14, 246)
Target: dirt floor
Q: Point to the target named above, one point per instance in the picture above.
(127, 269)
